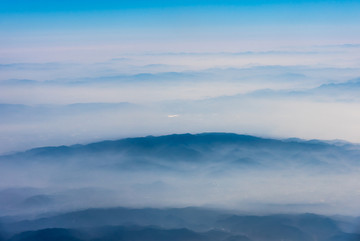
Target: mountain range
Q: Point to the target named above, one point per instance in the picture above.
(183, 224)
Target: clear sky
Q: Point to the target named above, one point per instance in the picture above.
(178, 25)
(26, 6)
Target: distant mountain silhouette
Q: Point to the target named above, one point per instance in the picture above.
(161, 152)
(282, 227)
(113, 233)
(180, 224)
(183, 224)
(195, 218)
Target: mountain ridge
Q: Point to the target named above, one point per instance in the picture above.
(172, 138)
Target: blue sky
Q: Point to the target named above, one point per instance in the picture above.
(222, 25)
(9, 6)
(93, 13)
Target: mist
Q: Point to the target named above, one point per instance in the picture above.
(224, 171)
(165, 93)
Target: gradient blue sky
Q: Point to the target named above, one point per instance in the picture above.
(95, 5)
(49, 23)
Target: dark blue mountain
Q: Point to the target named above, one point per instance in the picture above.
(282, 227)
(183, 224)
(230, 149)
(55, 234)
